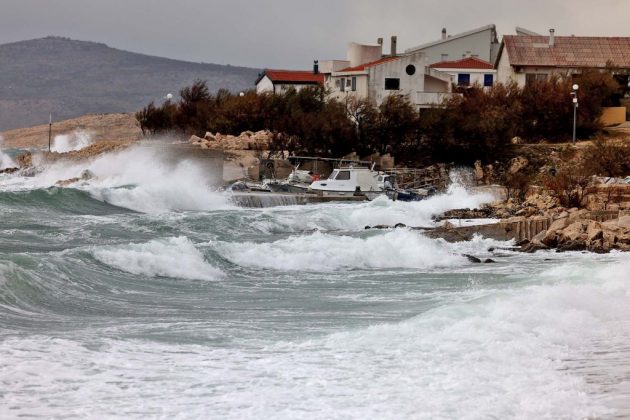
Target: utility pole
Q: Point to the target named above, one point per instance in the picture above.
(575, 107)
(49, 131)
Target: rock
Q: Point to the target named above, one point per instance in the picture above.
(209, 136)
(516, 140)
(573, 232)
(25, 160)
(488, 261)
(472, 258)
(532, 247)
(478, 171)
(195, 139)
(594, 232)
(571, 245)
(517, 164)
(624, 222)
(9, 170)
(550, 237)
(400, 225)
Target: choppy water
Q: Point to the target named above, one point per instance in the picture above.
(141, 293)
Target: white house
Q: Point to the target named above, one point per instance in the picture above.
(481, 43)
(384, 75)
(468, 71)
(278, 81)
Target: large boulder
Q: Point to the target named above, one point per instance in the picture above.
(517, 164)
(551, 235)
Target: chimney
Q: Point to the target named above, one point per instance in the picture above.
(552, 37)
(316, 67)
(443, 33)
(393, 48)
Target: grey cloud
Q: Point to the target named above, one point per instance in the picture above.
(291, 33)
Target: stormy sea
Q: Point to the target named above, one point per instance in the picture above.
(145, 293)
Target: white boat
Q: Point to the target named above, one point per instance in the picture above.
(355, 181)
(297, 182)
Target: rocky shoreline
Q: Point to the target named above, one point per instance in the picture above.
(556, 228)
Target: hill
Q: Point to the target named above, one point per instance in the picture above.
(72, 78)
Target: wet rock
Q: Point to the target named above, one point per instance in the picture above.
(489, 261)
(472, 258)
(517, 164)
(571, 245)
(9, 170)
(400, 225)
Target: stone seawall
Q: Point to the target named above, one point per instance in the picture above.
(518, 228)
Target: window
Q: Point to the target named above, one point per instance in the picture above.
(333, 174)
(535, 77)
(343, 176)
(410, 69)
(488, 80)
(392, 84)
(348, 83)
(463, 79)
(354, 83)
(342, 85)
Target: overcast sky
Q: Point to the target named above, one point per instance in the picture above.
(291, 33)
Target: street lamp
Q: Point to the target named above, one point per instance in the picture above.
(575, 107)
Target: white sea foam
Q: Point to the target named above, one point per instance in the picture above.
(174, 257)
(5, 160)
(381, 211)
(508, 355)
(325, 252)
(76, 140)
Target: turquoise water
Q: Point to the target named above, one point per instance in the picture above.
(142, 293)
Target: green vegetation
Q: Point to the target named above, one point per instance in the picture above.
(479, 124)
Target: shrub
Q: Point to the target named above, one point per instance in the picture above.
(607, 158)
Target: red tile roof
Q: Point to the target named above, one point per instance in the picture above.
(464, 63)
(364, 66)
(294, 76)
(568, 51)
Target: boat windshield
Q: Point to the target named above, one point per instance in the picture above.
(333, 174)
(343, 175)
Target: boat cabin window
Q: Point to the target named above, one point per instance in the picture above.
(333, 175)
(343, 175)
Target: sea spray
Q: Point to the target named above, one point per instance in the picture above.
(5, 159)
(380, 211)
(139, 179)
(77, 140)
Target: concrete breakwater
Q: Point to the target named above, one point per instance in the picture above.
(265, 199)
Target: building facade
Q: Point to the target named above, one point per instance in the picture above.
(480, 43)
(525, 58)
(278, 81)
(468, 71)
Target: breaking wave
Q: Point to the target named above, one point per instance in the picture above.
(325, 252)
(173, 257)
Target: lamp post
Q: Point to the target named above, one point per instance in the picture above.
(575, 107)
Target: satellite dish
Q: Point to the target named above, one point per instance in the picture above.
(169, 96)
